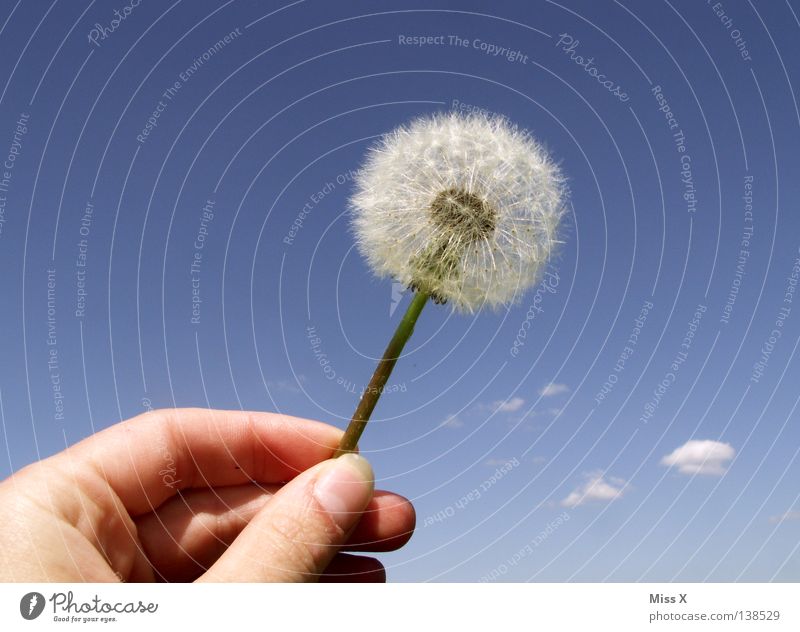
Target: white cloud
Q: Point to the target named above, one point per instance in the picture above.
(596, 487)
(289, 386)
(499, 462)
(546, 412)
(552, 389)
(701, 457)
(789, 516)
(452, 422)
(510, 405)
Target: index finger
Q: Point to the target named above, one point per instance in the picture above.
(149, 458)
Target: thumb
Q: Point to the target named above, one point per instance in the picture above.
(302, 527)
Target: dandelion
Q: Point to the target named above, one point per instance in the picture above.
(463, 209)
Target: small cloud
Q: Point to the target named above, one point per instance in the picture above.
(553, 389)
(452, 422)
(288, 386)
(597, 487)
(701, 457)
(509, 406)
(789, 516)
(499, 462)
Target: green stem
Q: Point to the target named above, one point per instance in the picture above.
(381, 375)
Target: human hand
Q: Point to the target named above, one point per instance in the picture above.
(195, 494)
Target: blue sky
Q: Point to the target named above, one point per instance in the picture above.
(174, 233)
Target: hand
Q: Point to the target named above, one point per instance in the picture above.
(194, 494)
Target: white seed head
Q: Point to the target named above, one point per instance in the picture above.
(465, 207)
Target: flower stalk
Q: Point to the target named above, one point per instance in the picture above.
(381, 375)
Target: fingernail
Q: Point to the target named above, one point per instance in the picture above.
(344, 488)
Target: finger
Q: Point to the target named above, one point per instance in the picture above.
(387, 524)
(346, 568)
(296, 535)
(149, 458)
(189, 532)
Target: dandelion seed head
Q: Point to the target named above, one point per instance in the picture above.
(465, 207)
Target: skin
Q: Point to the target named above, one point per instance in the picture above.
(199, 495)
